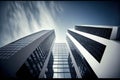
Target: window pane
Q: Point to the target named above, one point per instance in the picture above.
(60, 75)
(65, 66)
(55, 75)
(67, 75)
(61, 70)
(60, 63)
(60, 59)
(58, 66)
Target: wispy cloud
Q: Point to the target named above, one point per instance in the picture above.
(46, 19)
(21, 18)
(55, 7)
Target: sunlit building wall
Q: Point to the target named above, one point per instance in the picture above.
(95, 50)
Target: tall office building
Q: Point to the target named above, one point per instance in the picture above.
(90, 52)
(95, 51)
(27, 58)
(59, 65)
(36, 56)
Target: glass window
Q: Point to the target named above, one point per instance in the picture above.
(55, 66)
(63, 56)
(60, 75)
(60, 59)
(58, 66)
(60, 63)
(96, 49)
(55, 75)
(65, 66)
(61, 70)
(55, 70)
(55, 56)
(67, 75)
(66, 70)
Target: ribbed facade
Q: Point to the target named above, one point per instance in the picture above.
(60, 63)
(94, 51)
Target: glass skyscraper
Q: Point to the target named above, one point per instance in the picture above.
(59, 64)
(36, 56)
(90, 52)
(94, 51)
(27, 58)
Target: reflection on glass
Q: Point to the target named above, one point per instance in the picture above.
(55, 75)
(67, 75)
(60, 61)
(60, 66)
(61, 70)
(61, 75)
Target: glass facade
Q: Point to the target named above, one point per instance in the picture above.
(26, 58)
(71, 67)
(84, 68)
(96, 49)
(103, 32)
(10, 49)
(59, 62)
(35, 62)
(49, 72)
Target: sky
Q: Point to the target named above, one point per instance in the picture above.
(22, 18)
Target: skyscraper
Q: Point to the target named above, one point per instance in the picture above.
(36, 56)
(94, 51)
(27, 58)
(90, 52)
(60, 63)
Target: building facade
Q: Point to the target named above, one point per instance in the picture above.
(60, 63)
(89, 52)
(94, 51)
(36, 56)
(27, 58)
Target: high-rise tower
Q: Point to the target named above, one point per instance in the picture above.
(27, 58)
(95, 51)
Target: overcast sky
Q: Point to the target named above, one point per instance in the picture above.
(21, 18)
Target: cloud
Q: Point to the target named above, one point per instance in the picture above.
(55, 8)
(46, 19)
(21, 18)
